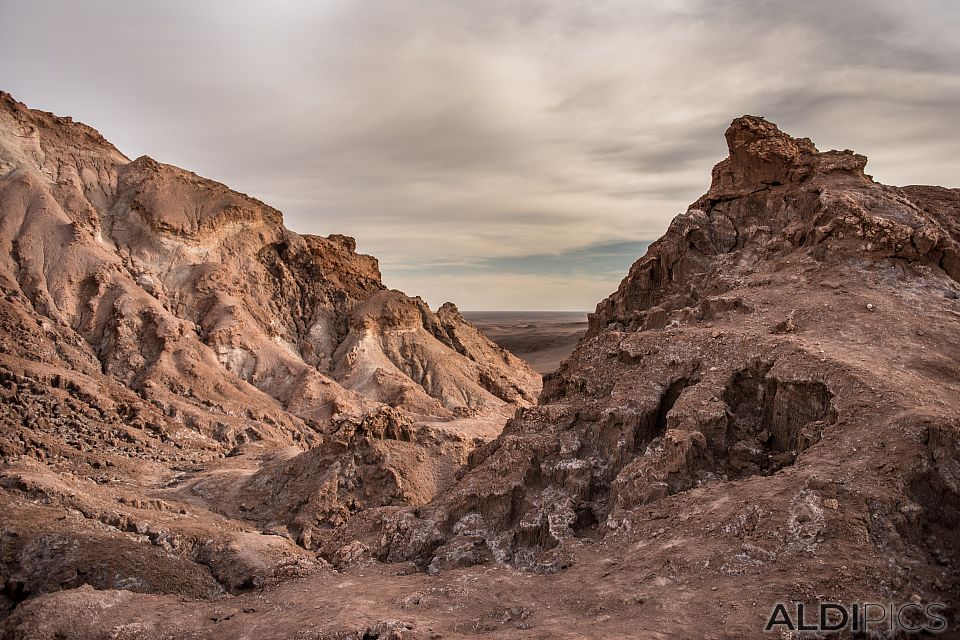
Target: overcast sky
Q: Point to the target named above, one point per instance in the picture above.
(506, 154)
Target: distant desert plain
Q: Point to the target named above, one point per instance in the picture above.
(543, 339)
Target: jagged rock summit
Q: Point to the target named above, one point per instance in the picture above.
(764, 411)
(773, 196)
(762, 156)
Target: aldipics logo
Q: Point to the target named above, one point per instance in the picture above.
(859, 617)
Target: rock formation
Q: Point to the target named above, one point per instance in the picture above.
(774, 384)
(154, 321)
(765, 411)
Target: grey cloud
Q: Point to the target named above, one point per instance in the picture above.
(481, 135)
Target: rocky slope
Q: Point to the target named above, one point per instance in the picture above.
(153, 321)
(774, 387)
(764, 411)
(172, 278)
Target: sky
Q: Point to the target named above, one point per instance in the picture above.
(500, 154)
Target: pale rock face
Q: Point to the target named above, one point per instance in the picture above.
(393, 338)
(157, 267)
(152, 314)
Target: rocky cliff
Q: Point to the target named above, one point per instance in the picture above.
(773, 388)
(197, 298)
(764, 411)
(152, 315)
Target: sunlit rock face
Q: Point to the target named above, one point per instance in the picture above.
(152, 315)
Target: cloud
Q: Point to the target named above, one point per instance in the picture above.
(489, 135)
(571, 280)
(510, 291)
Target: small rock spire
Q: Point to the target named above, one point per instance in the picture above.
(763, 156)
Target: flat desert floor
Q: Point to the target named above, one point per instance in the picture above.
(543, 338)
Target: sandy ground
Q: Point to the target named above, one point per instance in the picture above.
(543, 339)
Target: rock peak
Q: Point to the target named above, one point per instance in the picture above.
(758, 145)
(762, 156)
(756, 135)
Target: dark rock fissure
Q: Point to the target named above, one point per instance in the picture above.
(771, 421)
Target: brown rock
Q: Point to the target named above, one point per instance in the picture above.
(164, 333)
(683, 456)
